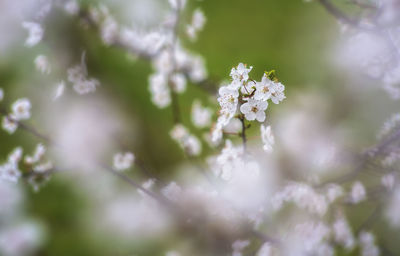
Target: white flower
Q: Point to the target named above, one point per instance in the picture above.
(201, 116)
(254, 109)
(172, 191)
(189, 143)
(9, 125)
(228, 99)
(35, 31)
(342, 233)
(42, 64)
(367, 243)
(59, 90)
(264, 89)
(388, 181)
(123, 161)
(238, 246)
(172, 253)
(159, 90)
(277, 94)
(10, 172)
(265, 250)
(1, 94)
(358, 192)
(198, 21)
(240, 73)
(267, 138)
(109, 30)
(21, 109)
(178, 82)
(177, 4)
(77, 73)
(71, 7)
(86, 86)
(15, 156)
(39, 152)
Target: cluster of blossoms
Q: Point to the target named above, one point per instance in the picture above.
(78, 76)
(249, 97)
(371, 43)
(172, 64)
(20, 110)
(188, 142)
(36, 167)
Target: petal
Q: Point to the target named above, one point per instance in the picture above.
(260, 116)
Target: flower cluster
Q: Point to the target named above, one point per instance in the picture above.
(20, 110)
(78, 76)
(248, 96)
(188, 142)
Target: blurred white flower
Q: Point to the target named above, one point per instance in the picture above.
(9, 125)
(201, 116)
(267, 138)
(123, 161)
(21, 109)
(367, 243)
(342, 233)
(35, 31)
(358, 192)
(71, 7)
(42, 64)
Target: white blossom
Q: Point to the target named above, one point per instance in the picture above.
(39, 152)
(71, 7)
(9, 125)
(201, 116)
(123, 161)
(178, 82)
(238, 246)
(240, 73)
(188, 142)
(42, 64)
(342, 233)
(392, 211)
(358, 193)
(254, 109)
(265, 250)
(21, 109)
(35, 31)
(388, 181)
(1, 94)
(10, 171)
(197, 24)
(78, 76)
(303, 195)
(367, 243)
(267, 138)
(160, 93)
(172, 191)
(177, 4)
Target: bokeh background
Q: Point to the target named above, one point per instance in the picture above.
(295, 38)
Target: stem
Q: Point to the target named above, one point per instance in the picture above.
(243, 133)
